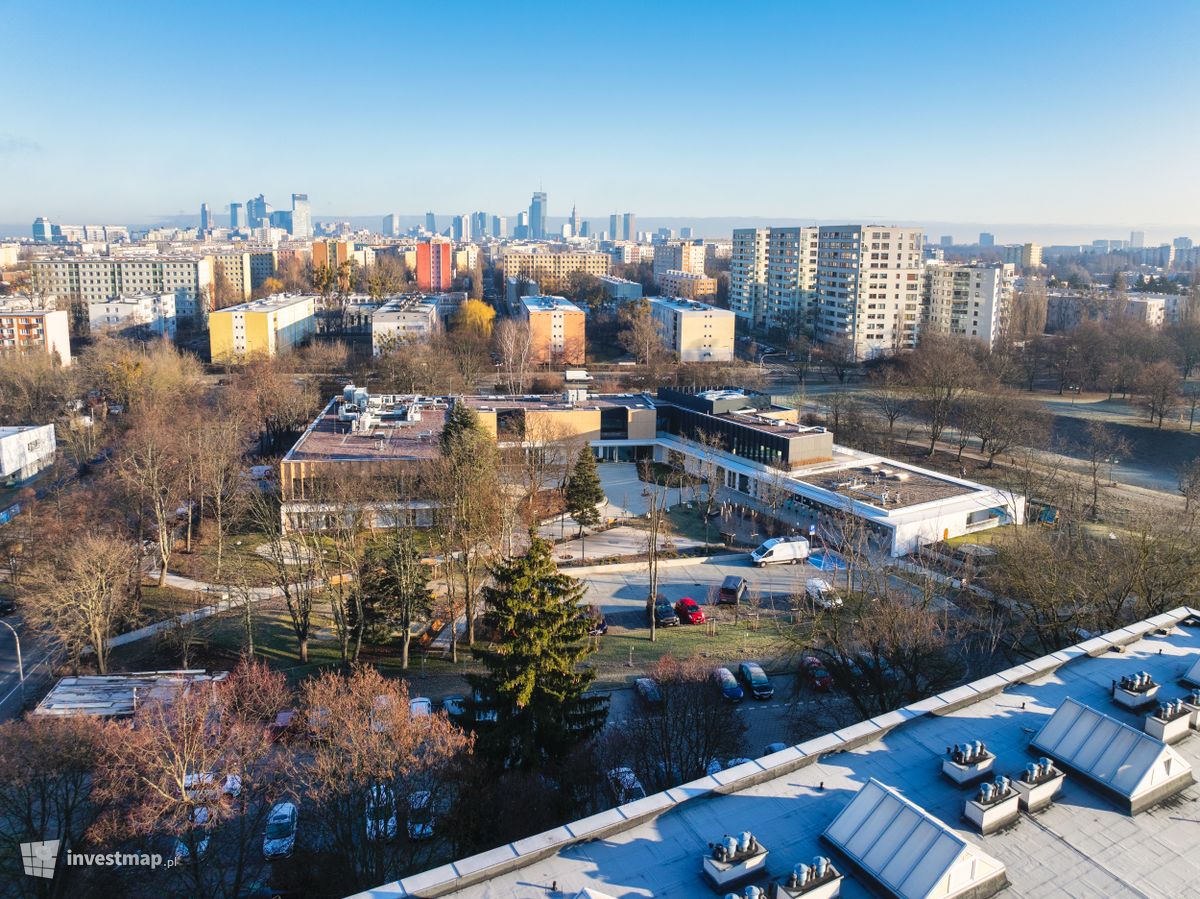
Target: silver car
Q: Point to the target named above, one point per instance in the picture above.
(279, 838)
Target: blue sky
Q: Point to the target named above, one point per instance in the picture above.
(1046, 112)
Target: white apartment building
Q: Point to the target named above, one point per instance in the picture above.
(679, 256)
(695, 332)
(25, 450)
(869, 287)
(791, 275)
(969, 300)
(97, 279)
(148, 313)
(403, 318)
(748, 274)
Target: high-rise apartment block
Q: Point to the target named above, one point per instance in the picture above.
(1024, 256)
(695, 332)
(868, 287)
(680, 256)
(35, 331)
(86, 279)
(772, 275)
(748, 274)
(537, 216)
(1137, 239)
(968, 300)
(434, 265)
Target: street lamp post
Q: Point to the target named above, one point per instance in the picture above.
(20, 663)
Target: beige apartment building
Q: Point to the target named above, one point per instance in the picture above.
(552, 270)
(680, 256)
(970, 300)
(869, 284)
(556, 330)
(95, 279)
(695, 332)
(687, 285)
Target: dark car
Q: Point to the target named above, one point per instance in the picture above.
(7, 605)
(647, 691)
(664, 615)
(689, 611)
(728, 685)
(756, 680)
(733, 590)
(815, 675)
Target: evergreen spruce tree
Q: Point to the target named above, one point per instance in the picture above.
(534, 682)
(460, 420)
(584, 493)
(395, 589)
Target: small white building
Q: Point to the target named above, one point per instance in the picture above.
(25, 450)
(403, 318)
(695, 332)
(152, 314)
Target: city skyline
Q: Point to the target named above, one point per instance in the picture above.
(1013, 119)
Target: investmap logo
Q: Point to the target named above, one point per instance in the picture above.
(39, 859)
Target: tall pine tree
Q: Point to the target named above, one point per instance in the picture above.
(584, 493)
(534, 681)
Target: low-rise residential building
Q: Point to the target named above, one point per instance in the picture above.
(403, 318)
(10, 254)
(968, 300)
(24, 451)
(695, 332)
(262, 327)
(557, 330)
(687, 285)
(516, 287)
(89, 279)
(620, 290)
(35, 331)
(1067, 309)
(142, 315)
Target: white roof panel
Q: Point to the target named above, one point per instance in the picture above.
(1106, 750)
(905, 848)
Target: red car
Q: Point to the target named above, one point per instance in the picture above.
(815, 674)
(689, 611)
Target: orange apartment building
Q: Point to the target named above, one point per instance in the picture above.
(557, 332)
(435, 271)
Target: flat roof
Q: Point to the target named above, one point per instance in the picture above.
(538, 303)
(556, 402)
(330, 440)
(1082, 845)
(276, 301)
(118, 695)
(885, 484)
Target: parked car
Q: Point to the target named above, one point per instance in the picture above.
(689, 611)
(664, 614)
(777, 550)
(7, 605)
(199, 839)
(420, 707)
(597, 623)
(733, 590)
(279, 838)
(728, 685)
(455, 707)
(814, 673)
(283, 728)
(756, 680)
(625, 786)
(821, 594)
(648, 692)
(205, 783)
(733, 763)
(772, 748)
(381, 813)
(420, 815)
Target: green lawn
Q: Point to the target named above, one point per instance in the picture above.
(238, 556)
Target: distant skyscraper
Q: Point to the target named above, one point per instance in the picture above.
(301, 217)
(461, 228)
(258, 212)
(1182, 243)
(431, 223)
(237, 217)
(1137, 239)
(391, 225)
(522, 229)
(685, 233)
(614, 227)
(43, 231)
(947, 240)
(585, 229)
(537, 216)
(499, 226)
(205, 218)
(986, 239)
(574, 222)
(629, 226)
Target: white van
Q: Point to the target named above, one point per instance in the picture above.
(821, 594)
(793, 550)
